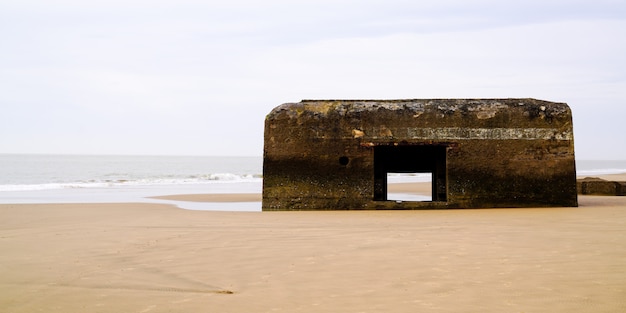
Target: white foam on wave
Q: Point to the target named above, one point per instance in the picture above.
(208, 179)
(231, 177)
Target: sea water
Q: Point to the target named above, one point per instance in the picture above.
(115, 179)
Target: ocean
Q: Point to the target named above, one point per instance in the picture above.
(115, 179)
(107, 179)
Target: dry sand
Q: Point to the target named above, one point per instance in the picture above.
(158, 258)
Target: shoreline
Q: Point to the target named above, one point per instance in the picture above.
(246, 196)
(415, 188)
(213, 197)
(421, 189)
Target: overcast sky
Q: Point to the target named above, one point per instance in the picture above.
(197, 77)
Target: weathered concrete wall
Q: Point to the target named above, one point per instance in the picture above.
(499, 152)
(601, 187)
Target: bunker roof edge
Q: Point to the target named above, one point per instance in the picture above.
(293, 109)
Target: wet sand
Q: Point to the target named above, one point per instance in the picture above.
(139, 257)
(217, 197)
(409, 188)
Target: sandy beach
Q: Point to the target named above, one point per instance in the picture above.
(140, 257)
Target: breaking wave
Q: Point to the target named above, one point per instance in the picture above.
(202, 179)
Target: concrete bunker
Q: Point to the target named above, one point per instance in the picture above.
(338, 154)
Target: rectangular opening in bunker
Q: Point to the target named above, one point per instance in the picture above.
(394, 163)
